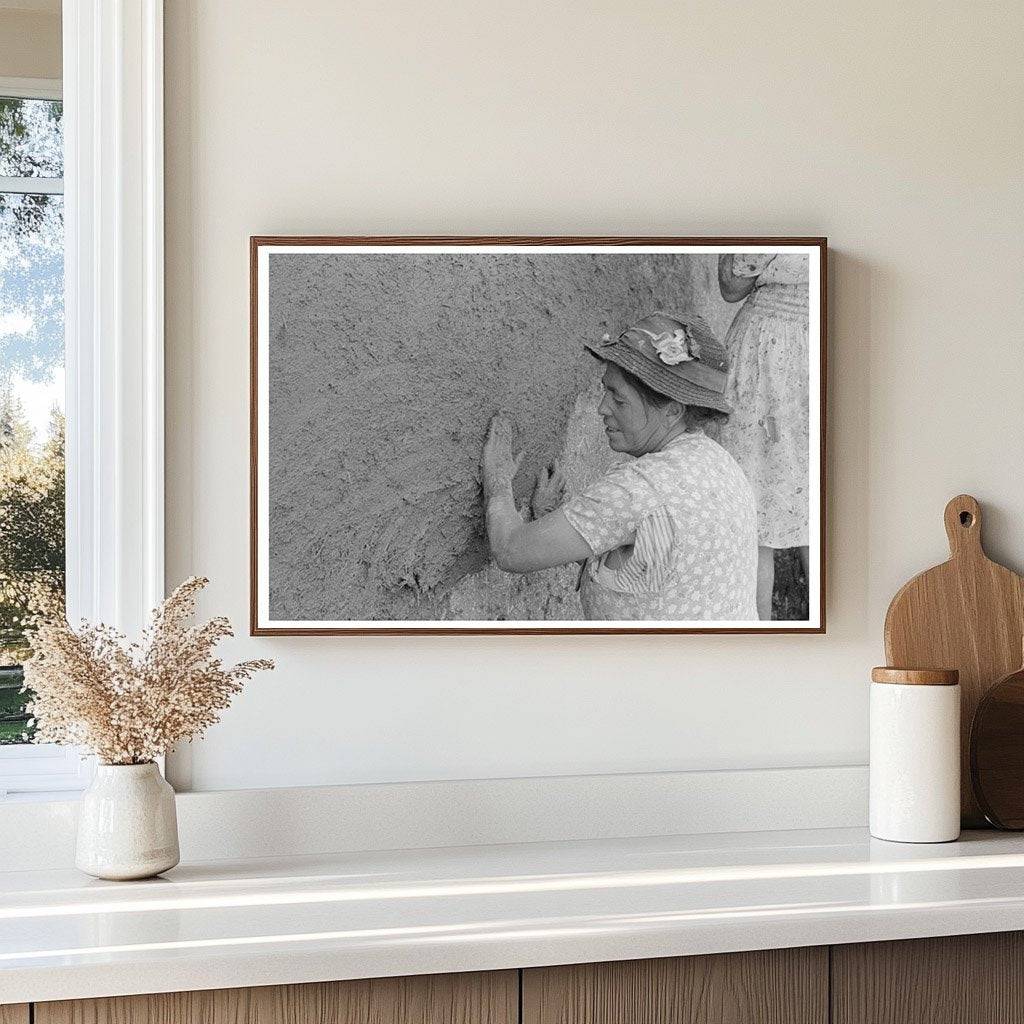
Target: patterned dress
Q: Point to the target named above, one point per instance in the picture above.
(768, 431)
(674, 537)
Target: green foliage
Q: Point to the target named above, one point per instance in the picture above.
(31, 505)
(31, 138)
(31, 547)
(14, 726)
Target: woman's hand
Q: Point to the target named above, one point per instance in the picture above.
(548, 491)
(498, 467)
(733, 288)
(517, 546)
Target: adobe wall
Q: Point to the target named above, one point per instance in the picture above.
(385, 371)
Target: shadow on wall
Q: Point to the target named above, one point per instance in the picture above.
(385, 371)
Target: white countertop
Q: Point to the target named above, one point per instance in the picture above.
(261, 922)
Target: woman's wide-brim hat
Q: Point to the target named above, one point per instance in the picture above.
(675, 354)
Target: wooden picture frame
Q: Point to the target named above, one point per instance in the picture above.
(262, 248)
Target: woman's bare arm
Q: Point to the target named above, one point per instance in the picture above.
(733, 288)
(517, 546)
(528, 547)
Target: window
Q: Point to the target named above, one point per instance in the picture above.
(32, 514)
(109, 208)
(31, 383)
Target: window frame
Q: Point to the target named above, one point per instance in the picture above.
(112, 90)
(32, 88)
(38, 767)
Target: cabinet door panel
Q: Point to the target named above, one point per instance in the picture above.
(14, 1013)
(960, 979)
(482, 998)
(778, 986)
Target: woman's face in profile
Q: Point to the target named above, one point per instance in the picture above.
(627, 417)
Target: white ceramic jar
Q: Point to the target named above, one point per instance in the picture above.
(127, 824)
(915, 755)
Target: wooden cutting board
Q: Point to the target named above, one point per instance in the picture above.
(967, 614)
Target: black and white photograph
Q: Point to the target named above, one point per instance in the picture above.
(537, 435)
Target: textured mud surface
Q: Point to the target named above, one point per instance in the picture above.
(384, 373)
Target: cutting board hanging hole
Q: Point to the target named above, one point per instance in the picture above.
(963, 526)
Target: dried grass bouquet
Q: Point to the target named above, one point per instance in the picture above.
(129, 703)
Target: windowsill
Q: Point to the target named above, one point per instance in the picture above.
(304, 919)
(31, 773)
(303, 821)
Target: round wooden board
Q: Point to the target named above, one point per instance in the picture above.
(997, 752)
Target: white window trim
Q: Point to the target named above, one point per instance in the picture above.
(113, 169)
(32, 88)
(43, 769)
(32, 186)
(114, 323)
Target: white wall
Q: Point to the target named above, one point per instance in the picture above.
(895, 129)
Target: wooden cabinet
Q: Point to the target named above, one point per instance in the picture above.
(962, 979)
(777, 986)
(970, 979)
(491, 998)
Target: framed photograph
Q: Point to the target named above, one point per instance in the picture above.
(537, 435)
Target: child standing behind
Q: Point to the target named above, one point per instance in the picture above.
(768, 431)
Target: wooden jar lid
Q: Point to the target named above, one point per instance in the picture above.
(916, 676)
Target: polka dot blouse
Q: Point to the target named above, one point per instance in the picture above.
(673, 535)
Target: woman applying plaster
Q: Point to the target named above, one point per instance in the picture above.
(670, 535)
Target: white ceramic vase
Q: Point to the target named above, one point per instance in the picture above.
(127, 825)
